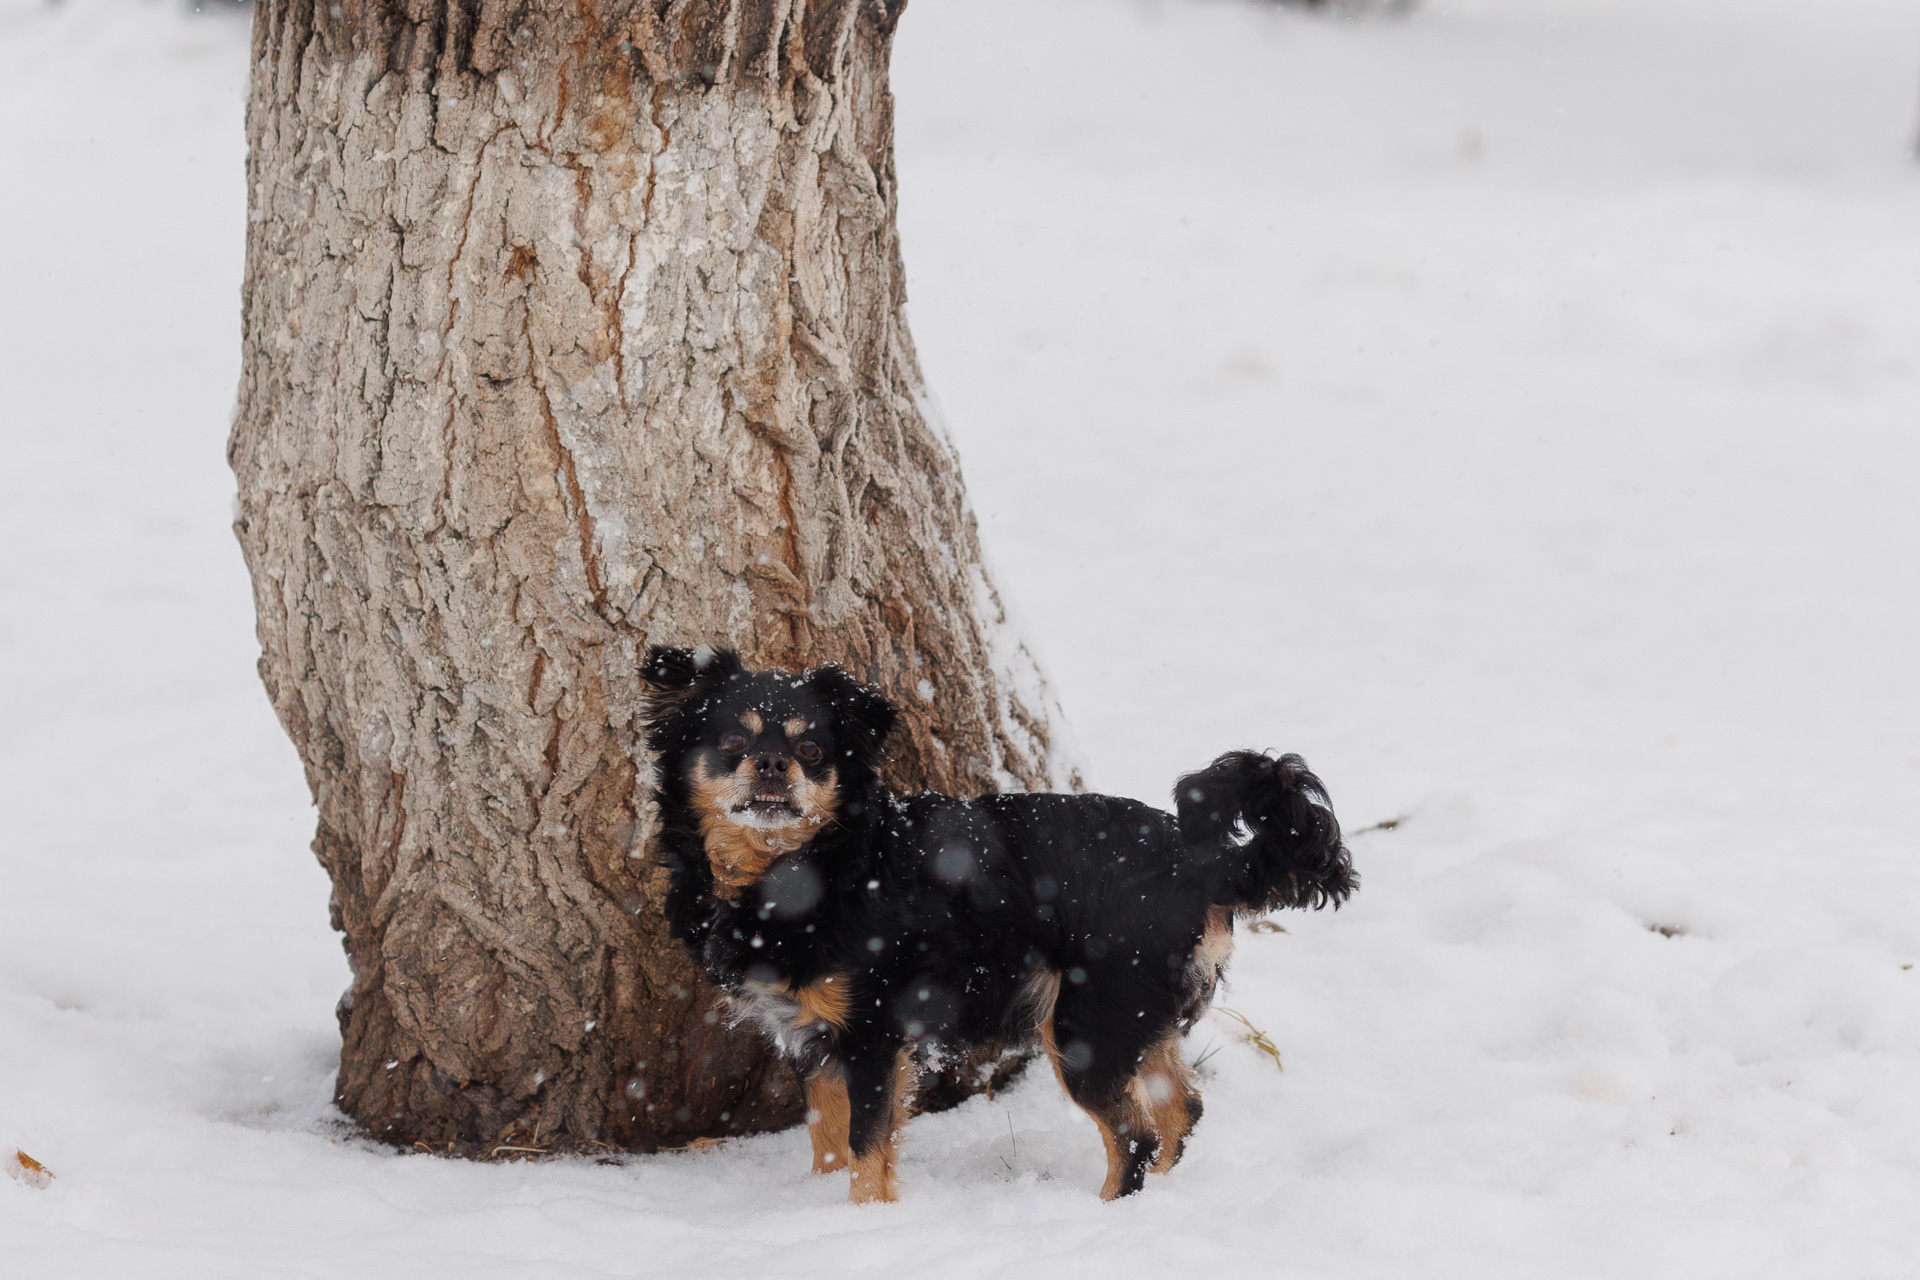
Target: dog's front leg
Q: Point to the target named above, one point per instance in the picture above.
(881, 1076)
(827, 1119)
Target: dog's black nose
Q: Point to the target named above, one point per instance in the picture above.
(770, 766)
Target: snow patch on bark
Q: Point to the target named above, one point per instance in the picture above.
(1023, 695)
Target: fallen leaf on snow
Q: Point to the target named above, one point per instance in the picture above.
(22, 1167)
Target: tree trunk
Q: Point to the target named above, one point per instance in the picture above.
(572, 325)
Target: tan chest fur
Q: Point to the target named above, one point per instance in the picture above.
(741, 855)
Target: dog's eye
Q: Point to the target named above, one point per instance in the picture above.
(808, 750)
(733, 743)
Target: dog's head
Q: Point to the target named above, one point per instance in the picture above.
(764, 759)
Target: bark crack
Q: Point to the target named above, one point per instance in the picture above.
(654, 94)
(460, 249)
(617, 328)
(577, 501)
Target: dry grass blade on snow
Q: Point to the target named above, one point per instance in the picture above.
(1254, 1035)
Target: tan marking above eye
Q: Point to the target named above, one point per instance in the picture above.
(752, 720)
(795, 727)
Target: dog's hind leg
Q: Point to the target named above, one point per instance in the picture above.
(1165, 1089)
(1098, 1073)
(827, 1120)
(880, 1089)
(1125, 1127)
(1128, 1133)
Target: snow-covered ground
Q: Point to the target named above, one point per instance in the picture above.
(1515, 407)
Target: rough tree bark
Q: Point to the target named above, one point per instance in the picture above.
(572, 325)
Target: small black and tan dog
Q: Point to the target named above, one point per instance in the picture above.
(864, 931)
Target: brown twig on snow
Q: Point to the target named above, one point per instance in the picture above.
(697, 1144)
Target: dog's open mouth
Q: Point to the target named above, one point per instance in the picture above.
(768, 804)
(767, 810)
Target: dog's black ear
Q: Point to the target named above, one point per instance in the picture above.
(1265, 828)
(667, 668)
(674, 676)
(862, 717)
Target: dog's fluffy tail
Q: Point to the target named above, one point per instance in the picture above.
(1265, 831)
